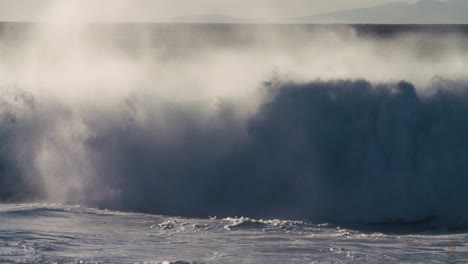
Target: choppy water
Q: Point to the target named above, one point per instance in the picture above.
(54, 233)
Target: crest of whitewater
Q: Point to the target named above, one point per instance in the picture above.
(186, 143)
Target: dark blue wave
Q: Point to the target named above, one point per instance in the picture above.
(337, 151)
(340, 151)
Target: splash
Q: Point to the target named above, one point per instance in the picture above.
(178, 119)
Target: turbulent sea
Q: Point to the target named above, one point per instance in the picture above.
(192, 143)
(55, 233)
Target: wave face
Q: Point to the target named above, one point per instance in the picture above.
(339, 150)
(143, 119)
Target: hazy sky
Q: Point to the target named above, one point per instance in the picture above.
(161, 10)
(261, 9)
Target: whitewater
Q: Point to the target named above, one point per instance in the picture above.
(55, 233)
(192, 143)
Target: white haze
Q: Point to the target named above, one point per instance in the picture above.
(73, 73)
(166, 10)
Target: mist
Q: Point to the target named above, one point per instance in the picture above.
(282, 121)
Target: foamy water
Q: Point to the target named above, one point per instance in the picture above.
(52, 233)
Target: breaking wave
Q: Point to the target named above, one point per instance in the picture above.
(338, 151)
(176, 120)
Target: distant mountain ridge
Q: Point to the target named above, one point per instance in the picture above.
(210, 18)
(421, 12)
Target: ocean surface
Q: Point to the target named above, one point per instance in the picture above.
(192, 143)
(55, 233)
